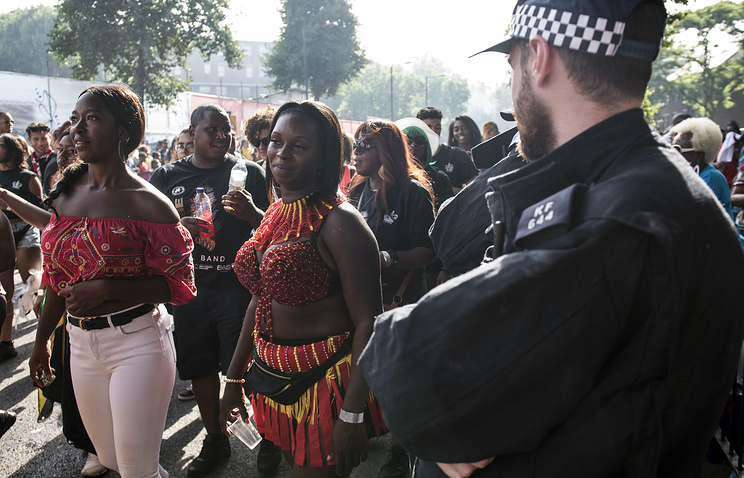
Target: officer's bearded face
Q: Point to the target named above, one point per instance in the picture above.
(536, 132)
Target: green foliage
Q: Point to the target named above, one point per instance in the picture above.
(650, 109)
(686, 69)
(139, 42)
(332, 51)
(24, 34)
(369, 94)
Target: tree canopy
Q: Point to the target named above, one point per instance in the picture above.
(139, 42)
(331, 54)
(686, 67)
(24, 34)
(427, 84)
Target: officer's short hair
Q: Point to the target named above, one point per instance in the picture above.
(607, 79)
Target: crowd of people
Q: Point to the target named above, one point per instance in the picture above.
(555, 297)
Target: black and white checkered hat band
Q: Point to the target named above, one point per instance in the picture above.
(571, 30)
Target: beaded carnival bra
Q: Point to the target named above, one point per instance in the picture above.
(291, 269)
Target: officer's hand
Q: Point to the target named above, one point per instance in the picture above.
(463, 470)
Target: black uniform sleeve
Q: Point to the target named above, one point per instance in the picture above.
(469, 372)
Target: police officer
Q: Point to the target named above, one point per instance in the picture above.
(604, 340)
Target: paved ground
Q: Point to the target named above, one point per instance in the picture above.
(33, 450)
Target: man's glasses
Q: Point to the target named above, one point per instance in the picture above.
(263, 141)
(418, 141)
(360, 147)
(189, 147)
(682, 150)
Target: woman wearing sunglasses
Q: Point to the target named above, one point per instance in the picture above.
(256, 129)
(422, 143)
(392, 193)
(313, 307)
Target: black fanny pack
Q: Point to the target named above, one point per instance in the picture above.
(287, 388)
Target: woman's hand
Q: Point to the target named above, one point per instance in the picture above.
(443, 276)
(85, 296)
(348, 446)
(234, 397)
(38, 364)
(195, 225)
(384, 260)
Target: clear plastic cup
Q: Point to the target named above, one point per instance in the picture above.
(246, 431)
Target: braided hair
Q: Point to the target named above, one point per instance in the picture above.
(128, 113)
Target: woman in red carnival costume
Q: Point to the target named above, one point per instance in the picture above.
(314, 272)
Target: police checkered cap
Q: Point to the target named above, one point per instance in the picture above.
(562, 29)
(581, 25)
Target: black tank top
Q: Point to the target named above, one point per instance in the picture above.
(17, 181)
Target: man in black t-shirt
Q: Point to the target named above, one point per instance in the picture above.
(207, 328)
(455, 162)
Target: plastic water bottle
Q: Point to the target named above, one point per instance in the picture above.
(237, 177)
(203, 210)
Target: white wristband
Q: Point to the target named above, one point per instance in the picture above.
(386, 259)
(348, 417)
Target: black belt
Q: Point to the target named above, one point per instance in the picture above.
(102, 322)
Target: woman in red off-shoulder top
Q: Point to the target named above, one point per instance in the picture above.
(113, 248)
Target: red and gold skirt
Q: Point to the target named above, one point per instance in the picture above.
(306, 426)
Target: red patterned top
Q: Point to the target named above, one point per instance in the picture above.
(77, 249)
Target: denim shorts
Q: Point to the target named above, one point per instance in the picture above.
(32, 238)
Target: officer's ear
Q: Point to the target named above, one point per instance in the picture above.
(541, 61)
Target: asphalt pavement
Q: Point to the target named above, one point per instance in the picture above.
(39, 450)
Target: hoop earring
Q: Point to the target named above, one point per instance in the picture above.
(120, 150)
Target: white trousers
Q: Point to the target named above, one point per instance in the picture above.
(123, 378)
